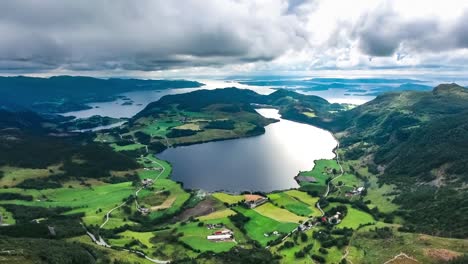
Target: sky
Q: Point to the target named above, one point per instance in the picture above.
(160, 38)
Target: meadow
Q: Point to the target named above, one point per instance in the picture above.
(259, 225)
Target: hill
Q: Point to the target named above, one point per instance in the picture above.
(207, 115)
(67, 93)
(419, 142)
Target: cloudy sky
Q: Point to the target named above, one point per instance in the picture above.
(233, 37)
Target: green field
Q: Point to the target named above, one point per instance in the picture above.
(14, 175)
(334, 254)
(356, 217)
(228, 198)
(176, 192)
(87, 200)
(7, 217)
(258, 225)
(218, 214)
(322, 171)
(127, 147)
(195, 236)
(128, 236)
(305, 198)
(366, 249)
(150, 161)
(278, 214)
(291, 204)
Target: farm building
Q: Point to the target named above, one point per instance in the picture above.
(253, 200)
(356, 191)
(147, 182)
(221, 235)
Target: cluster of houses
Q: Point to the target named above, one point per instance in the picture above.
(221, 235)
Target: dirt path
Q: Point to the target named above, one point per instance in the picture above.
(400, 255)
(166, 204)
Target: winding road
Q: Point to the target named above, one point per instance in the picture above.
(101, 242)
(324, 195)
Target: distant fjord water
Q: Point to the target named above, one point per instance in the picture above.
(336, 90)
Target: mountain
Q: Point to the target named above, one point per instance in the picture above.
(67, 93)
(419, 142)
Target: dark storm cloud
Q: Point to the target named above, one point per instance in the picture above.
(383, 32)
(140, 35)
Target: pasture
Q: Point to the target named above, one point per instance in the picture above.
(259, 225)
(278, 214)
(228, 198)
(290, 203)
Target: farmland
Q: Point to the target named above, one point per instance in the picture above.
(259, 225)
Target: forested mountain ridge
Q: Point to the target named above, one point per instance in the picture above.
(69, 93)
(419, 142)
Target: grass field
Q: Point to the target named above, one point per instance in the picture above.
(278, 214)
(333, 256)
(195, 236)
(150, 161)
(228, 198)
(127, 147)
(114, 255)
(127, 236)
(218, 214)
(322, 171)
(305, 198)
(177, 195)
(7, 217)
(189, 126)
(87, 200)
(356, 217)
(424, 248)
(159, 127)
(259, 225)
(14, 175)
(290, 203)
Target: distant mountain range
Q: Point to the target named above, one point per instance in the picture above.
(67, 93)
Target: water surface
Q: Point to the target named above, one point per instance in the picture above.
(263, 163)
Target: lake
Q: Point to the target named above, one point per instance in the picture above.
(263, 163)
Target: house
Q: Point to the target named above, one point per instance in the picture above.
(254, 200)
(147, 182)
(336, 219)
(143, 211)
(223, 232)
(356, 191)
(213, 226)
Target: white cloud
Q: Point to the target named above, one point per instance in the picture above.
(152, 37)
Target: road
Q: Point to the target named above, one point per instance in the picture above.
(324, 195)
(101, 242)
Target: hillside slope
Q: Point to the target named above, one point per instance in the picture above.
(418, 141)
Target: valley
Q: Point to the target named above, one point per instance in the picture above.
(115, 184)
